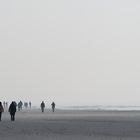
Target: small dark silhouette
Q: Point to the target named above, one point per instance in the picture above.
(1, 110)
(30, 104)
(53, 106)
(42, 106)
(12, 110)
(20, 106)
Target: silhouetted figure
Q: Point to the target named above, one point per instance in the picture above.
(12, 110)
(20, 106)
(1, 110)
(42, 106)
(53, 106)
(30, 104)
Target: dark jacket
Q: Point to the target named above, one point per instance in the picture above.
(12, 108)
(1, 108)
(42, 105)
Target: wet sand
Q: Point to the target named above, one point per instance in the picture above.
(71, 125)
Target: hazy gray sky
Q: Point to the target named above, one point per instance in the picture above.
(75, 52)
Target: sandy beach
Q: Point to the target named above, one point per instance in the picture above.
(71, 125)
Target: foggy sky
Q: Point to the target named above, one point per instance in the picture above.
(73, 52)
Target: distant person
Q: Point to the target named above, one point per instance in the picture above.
(42, 106)
(20, 106)
(12, 110)
(1, 110)
(53, 106)
(30, 104)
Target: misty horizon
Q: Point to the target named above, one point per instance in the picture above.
(71, 52)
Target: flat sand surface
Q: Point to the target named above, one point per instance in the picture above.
(71, 125)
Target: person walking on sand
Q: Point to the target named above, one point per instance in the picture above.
(30, 104)
(53, 106)
(1, 110)
(20, 106)
(42, 106)
(12, 110)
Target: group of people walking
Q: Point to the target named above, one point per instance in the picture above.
(42, 105)
(13, 108)
(26, 105)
